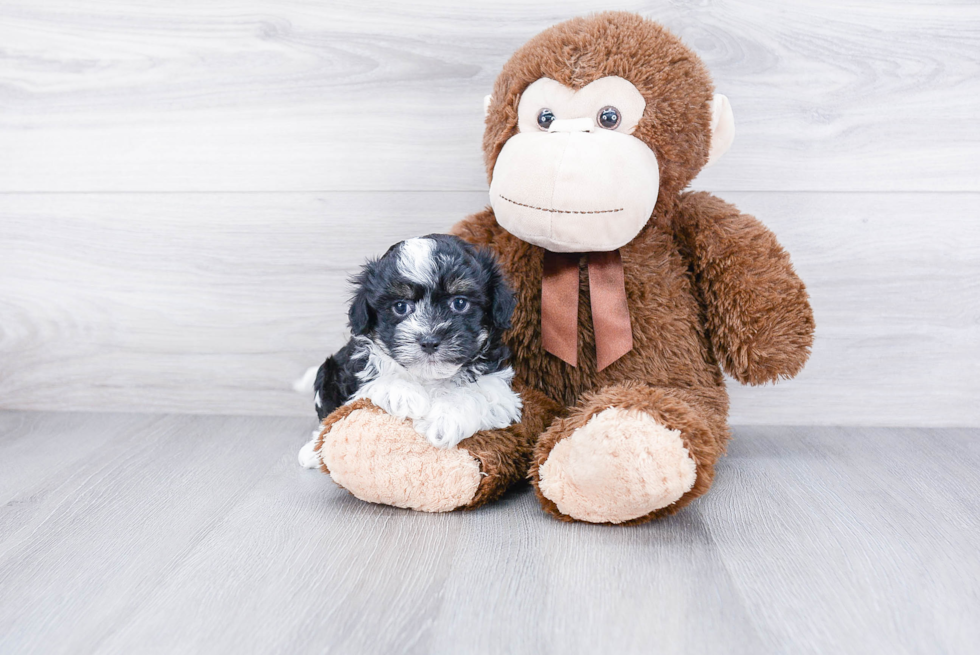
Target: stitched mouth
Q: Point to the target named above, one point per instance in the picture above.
(560, 211)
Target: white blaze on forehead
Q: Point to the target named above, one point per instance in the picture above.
(417, 263)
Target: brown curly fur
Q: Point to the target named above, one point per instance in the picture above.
(506, 454)
(708, 287)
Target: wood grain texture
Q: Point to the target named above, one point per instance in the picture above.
(894, 281)
(214, 303)
(194, 300)
(125, 513)
(866, 530)
(186, 302)
(256, 95)
(201, 534)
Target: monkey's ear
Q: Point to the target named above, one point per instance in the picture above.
(486, 105)
(722, 128)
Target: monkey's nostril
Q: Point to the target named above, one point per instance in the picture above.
(429, 344)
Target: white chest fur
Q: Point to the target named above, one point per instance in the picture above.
(445, 411)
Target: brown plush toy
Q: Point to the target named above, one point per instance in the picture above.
(633, 295)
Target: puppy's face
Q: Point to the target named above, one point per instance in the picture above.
(435, 304)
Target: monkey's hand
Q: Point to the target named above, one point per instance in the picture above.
(758, 313)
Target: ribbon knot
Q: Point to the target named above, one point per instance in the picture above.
(610, 310)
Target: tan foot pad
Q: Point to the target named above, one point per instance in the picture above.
(619, 466)
(382, 459)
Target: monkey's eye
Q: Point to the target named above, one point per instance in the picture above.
(545, 118)
(608, 118)
(403, 307)
(459, 305)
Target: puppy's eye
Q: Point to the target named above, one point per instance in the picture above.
(545, 118)
(459, 305)
(403, 307)
(608, 118)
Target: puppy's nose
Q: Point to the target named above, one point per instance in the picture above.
(429, 344)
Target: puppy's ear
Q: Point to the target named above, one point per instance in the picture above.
(361, 315)
(502, 300)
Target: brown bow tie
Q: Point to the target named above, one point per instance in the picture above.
(610, 311)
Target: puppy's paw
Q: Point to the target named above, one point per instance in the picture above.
(309, 458)
(405, 400)
(442, 431)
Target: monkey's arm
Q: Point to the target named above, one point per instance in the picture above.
(758, 313)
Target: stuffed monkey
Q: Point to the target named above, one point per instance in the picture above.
(633, 295)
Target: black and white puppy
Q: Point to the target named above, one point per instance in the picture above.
(426, 322)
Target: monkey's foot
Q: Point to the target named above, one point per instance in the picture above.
(382, 459)
(618, 466)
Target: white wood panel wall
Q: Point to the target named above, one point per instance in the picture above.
(184, 187)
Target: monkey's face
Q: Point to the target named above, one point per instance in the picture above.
(590, 122)
(574, 178)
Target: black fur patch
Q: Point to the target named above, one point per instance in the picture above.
(336, 381)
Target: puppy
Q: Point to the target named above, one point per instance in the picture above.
(426, 322)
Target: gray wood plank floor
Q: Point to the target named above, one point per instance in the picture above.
(123, 533)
